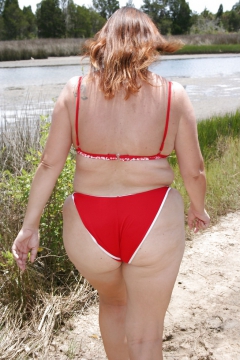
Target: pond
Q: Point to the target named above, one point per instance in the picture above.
(197, 68)
(35, 88)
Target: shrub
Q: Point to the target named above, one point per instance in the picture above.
(52, 263)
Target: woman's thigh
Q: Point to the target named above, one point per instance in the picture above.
(103, 272)
(151, 275)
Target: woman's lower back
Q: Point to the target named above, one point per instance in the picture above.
(116, 178)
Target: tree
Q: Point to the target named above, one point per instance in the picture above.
(106, 7)
(97, 21)
(231, 19)
(180, 14)
(130, 3)
(234, 21)
(29, 25)
(12, 20)
(159, 13)
(236, 7)
(206, 14)
(78, 21)
(50, 19)
(2, 4)
(235, 17)
(219, 12)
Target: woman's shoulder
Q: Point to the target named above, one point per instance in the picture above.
(72, 84)
(177, 87)
(161, 81)
(69, 91)
(179, 94)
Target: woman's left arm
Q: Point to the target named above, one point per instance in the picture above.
(52, 162)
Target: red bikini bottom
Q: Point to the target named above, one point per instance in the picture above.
(119, 225)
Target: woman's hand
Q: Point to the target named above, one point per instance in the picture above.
(26, 241)
(198, 221)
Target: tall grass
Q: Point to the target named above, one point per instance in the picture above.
(39, 48)
(210, 39)
(223, 178)
(211, 131)
(35, 303)
(43, 48)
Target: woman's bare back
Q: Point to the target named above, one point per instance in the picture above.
(117, 126)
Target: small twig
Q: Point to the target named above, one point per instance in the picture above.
(235, 174)
(43, 318)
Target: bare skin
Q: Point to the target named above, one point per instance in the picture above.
(133, 297)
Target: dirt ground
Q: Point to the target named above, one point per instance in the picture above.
(203, 319)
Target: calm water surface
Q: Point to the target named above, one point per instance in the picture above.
(197, 68)
(34, 89)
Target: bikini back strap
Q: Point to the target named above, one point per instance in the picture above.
(77, 110)
(167, 115)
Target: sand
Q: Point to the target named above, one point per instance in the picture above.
(203, 319)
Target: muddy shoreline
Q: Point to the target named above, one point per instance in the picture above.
(75, 60)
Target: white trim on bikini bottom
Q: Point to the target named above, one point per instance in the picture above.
(154, 220)
(93, 238)
(106, 252)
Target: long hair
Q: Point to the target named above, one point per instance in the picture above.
(122, 50)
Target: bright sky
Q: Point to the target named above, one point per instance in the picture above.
(195, 5)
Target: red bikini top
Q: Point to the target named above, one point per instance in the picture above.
(118, 156)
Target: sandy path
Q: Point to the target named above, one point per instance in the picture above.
(203, 319)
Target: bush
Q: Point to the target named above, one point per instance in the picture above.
(52, 264)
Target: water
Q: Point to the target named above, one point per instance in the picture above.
(38, 76)
(33, 90)
(186, 68)
(198, 68)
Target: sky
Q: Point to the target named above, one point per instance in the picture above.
(195, 5)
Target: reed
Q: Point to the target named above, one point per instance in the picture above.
(43, 48)
(209, 49)
(39, 48)
(210, 39)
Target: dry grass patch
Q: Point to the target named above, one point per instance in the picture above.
(23, 336)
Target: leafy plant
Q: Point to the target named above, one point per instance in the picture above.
(52, 262)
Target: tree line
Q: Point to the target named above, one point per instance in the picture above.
(65, 19)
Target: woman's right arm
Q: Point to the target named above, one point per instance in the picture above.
(190, 159)
(53, 159)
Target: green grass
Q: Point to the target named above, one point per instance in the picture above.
(219, 139)
(223, 179)
(211, 131)
(209, 49)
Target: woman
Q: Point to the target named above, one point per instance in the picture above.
(123, 226)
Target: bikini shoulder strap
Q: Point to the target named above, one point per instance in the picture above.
(77, 110)
(167, 115)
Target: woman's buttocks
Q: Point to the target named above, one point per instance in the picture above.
(115, 177)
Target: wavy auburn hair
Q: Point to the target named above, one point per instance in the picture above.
(122, 50)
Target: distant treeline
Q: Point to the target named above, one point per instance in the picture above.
(65, 19)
